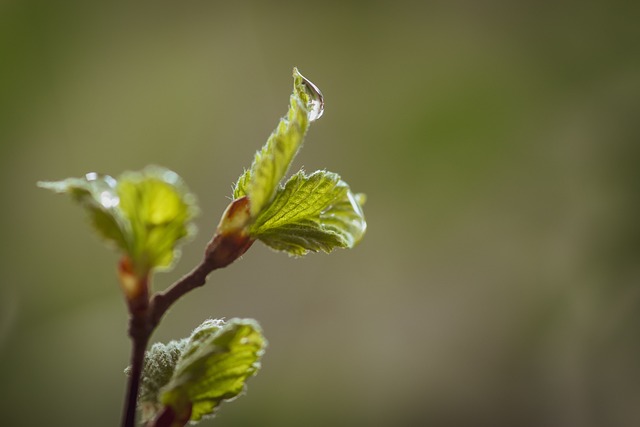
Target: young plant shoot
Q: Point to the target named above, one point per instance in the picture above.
(147, 215)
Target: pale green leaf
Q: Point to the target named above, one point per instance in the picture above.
(271, 163)
(214, 366)
(144, 214)
(313, 213)
(159, 209)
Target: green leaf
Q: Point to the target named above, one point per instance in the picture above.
(271, 163)
(314, 213)
(144, 214)
(159, 364)
(159, 209)
(240, 187)
(309, 213)
(214, 366)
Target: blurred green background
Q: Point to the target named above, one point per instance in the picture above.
(498, 144)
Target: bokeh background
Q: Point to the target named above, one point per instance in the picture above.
(498, 143)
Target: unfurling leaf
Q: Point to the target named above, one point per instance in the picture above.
(310, 213)
(271, 163)
(159, 363)
(160, 209)
(314, 213)
(144, 214)
(213, 366)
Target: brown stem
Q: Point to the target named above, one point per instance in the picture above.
(139, 345)
(143, 322)
(161, 301)
(145, 315)
(221, 251)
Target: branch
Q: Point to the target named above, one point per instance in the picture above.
(161, 301)
(220, 252)
(139, 345)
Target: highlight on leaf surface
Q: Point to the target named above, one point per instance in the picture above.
(144, 214)
(309, 213)
(213, 366)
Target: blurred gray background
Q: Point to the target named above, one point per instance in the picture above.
(498, 144)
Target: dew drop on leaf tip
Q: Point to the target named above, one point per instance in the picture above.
(316, 100)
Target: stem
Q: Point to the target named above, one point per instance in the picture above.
(139, 345)
(162, 301)
(142, 324)
(221, 251)
(146, 314)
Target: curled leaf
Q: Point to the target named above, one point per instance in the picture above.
(272, 162)
(160, 210)
(194, 375)
(214, 366)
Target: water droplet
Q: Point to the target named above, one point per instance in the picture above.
(170, 177)
(316, 100)
(108, 199)
(106, 179)
(103, 189)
